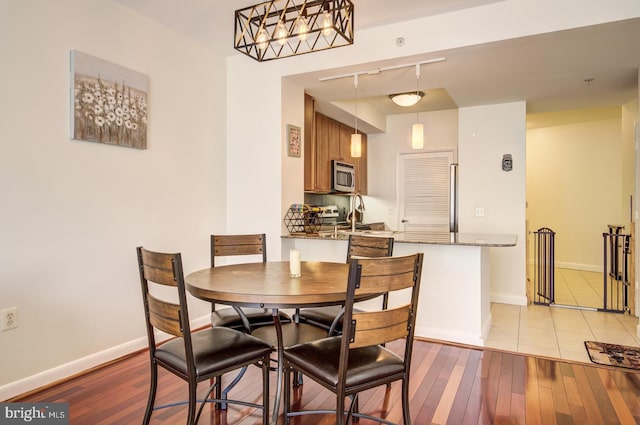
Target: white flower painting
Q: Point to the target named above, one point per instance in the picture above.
(108, 102)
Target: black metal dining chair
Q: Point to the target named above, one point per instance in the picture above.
(330, 318)
(194, 357)
(357, 361)
(244, 319)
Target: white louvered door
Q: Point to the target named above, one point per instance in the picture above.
(423, 191)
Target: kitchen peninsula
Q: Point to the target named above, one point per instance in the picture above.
(454, 303)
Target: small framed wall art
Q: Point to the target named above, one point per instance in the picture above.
(294, 142)
(108, 102)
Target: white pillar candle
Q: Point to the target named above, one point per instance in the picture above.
(294, 263)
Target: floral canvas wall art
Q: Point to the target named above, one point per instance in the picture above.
(108, 102)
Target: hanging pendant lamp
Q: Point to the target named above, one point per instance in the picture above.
(356, 138)
(276, 29)
(417, 130)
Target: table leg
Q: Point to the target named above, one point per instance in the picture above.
(279, 349)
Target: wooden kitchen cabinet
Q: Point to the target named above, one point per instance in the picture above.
(330, 140)
(327, 149)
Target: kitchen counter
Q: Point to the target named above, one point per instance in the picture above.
(455, 296)
(469, 239)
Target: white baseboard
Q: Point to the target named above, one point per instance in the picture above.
(486, 328)
(457, 336)
(577, 266)
(508, 299)
(444, 335)
(66, 370)
(46, 377)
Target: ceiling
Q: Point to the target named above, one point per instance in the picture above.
(583, 68)
(211, 21)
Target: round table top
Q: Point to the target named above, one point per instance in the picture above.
(269, 284)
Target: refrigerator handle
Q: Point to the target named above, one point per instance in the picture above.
(453, 198)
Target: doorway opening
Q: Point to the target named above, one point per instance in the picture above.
(608, 290)
(581, 174)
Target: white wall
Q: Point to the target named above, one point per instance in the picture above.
(292, 167)
(486, 134)
(628, 154)
(630, 118)
(441, 132)
(72, 211)
(574, 186)
(255, 106)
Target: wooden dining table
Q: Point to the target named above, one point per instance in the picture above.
(269, 285)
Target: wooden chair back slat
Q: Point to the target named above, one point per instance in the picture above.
(385, 276)
(379, 327)
(159, 268)
(165, 316)
(224, 250)
(229, 245)
(383, 283)
(369, 246)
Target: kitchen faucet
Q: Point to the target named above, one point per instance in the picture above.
(359, 209)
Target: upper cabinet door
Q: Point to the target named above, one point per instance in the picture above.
(327, 136)
(330, 140)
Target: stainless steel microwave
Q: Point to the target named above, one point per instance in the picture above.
(343, 176)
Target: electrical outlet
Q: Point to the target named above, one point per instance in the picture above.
(9, 317)
(479, 212)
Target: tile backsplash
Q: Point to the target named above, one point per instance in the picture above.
(341, 201)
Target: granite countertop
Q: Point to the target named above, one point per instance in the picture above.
(469, 239)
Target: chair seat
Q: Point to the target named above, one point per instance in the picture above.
(323, 316)
(214, 350)
(292, 334)
(367, 365)
(229, 318)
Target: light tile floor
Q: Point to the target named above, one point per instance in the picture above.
(556, 331)
(578, 288)
(585, 289)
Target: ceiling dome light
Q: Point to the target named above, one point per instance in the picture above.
(406, 99)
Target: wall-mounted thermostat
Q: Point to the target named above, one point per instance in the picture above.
(507, 162)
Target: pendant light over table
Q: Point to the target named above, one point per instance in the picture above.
(417, 130)
(356, 138)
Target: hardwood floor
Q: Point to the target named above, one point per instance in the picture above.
(449, 385)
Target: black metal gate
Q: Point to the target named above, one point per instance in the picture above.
(616, 270)
(544, 266)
